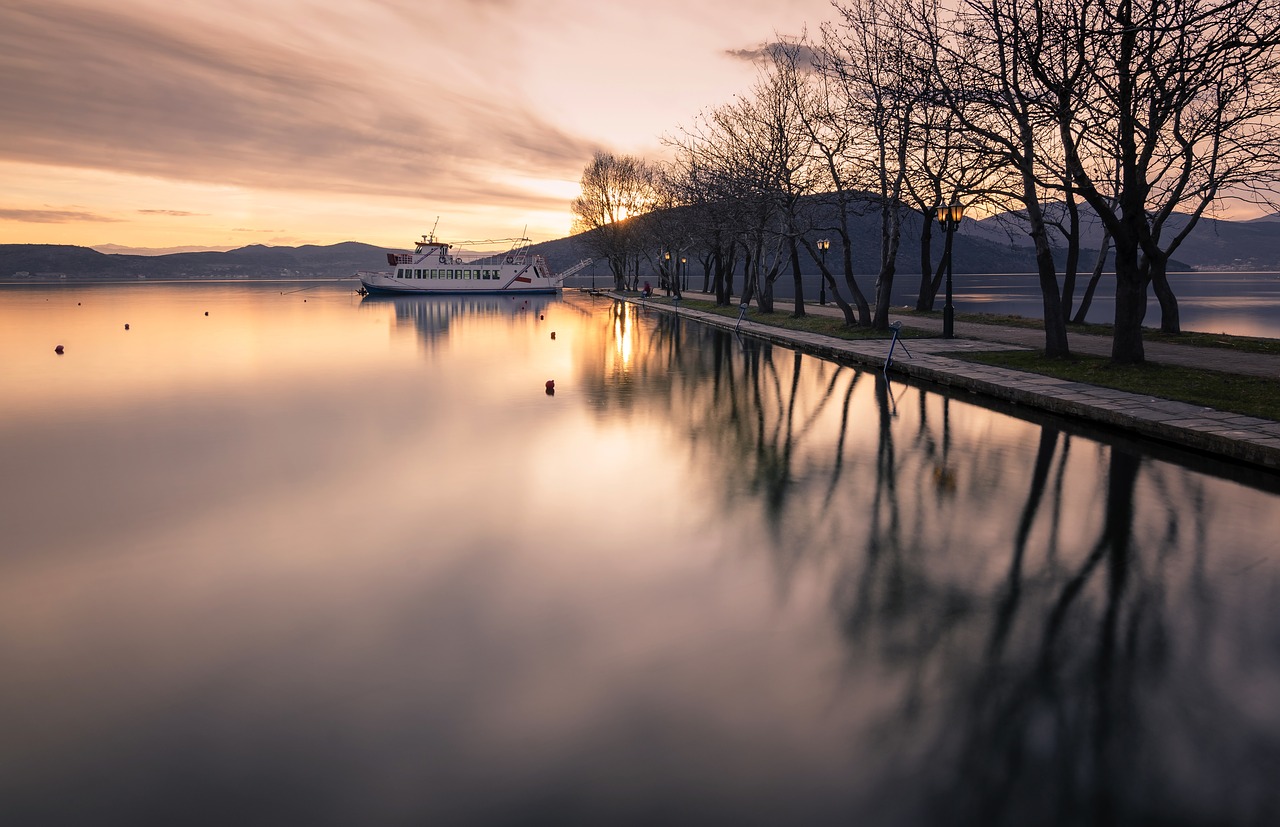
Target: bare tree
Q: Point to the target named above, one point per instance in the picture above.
(832, 129)
(1180, 96)
(616, 191)
(877, 75)
(980, 56)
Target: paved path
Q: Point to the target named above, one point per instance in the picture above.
(1243, 438)
(1204, 358)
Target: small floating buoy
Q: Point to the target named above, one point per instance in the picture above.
(206, 312)
(58, 350)
(551, 386)
(77, 304)
(126, 325)
(541, 317)
(553, 334)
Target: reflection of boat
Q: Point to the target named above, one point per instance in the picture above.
(432, 314)
(434, 267)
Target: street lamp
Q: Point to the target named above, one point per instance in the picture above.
(666, 276)
(949, 216)
(684, 265)
(823, 246)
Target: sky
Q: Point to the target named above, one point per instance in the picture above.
(222, 123)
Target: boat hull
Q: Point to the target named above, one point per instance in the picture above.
(387, 284)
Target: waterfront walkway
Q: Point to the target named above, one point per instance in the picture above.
(1242, 438)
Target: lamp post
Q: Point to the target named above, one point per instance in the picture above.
(949, 216)
(666, 276)
(684, 265)
(823, 246)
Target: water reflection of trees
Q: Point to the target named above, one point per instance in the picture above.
(1044, 601)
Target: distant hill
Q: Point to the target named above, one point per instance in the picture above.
(120, 249)
(1214, 244)
(42, 262)
(999, 244)
(969, 255)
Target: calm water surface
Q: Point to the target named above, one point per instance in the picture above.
(312, 559)
(1241, 304)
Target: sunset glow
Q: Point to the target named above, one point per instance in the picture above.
(291, 122)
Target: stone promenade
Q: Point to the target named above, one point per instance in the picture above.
(1242, 438)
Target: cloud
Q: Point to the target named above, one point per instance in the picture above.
(53, 216)
(763, 53)
(176, 213)
(124, 89)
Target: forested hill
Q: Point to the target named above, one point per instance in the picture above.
(994, 245)
(1001, 245)
(40, 262)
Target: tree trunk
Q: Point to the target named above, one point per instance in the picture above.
(846, 249)
(833, 286)
(1131, 309)
(928, 293)
(795, 275)
(1083, 309)
(1170, 321)
(1055, 321)
(1073, 252)
(890, 237)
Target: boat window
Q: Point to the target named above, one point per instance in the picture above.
(399, 272)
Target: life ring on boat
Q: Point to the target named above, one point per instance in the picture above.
(510, 260)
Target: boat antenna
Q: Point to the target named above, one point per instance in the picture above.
(432, 237)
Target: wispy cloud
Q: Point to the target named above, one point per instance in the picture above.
(53, 216)
(175, 213)
(764, 51)
(124, 90)
(321, 109)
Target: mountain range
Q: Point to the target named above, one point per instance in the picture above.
(998, 244)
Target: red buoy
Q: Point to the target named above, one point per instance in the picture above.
(126, 325)
(553, 334)
(58, 350)
(551, 383)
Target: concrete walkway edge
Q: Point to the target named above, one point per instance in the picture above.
(1227, 435)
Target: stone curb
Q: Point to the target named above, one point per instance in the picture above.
(1232, 436)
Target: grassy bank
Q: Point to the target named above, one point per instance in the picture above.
(1252, 395)
(1190, 338)
(1249, 395)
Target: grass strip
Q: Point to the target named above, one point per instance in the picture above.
(1190, 338)
(1250, 395)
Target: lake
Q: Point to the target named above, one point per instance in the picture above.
(1241, 304)
(277, 554)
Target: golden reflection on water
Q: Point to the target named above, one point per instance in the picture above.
(181, 339)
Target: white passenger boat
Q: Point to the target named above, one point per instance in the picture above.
(437, 267)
